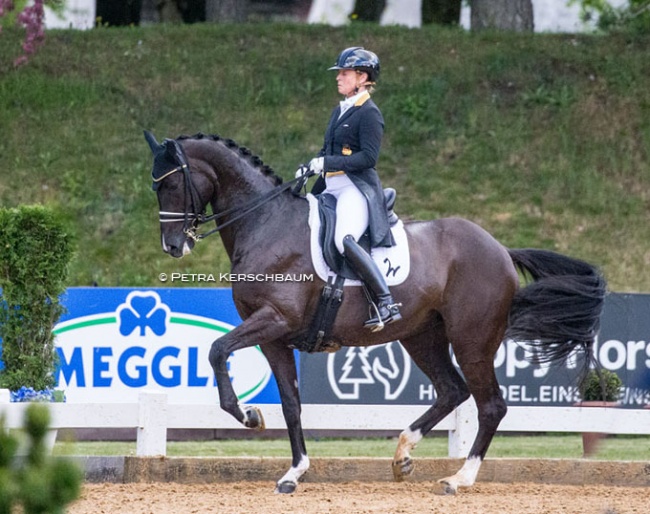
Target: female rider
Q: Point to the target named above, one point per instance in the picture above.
(346, 165)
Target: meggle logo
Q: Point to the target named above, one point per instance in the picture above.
(112, 356)
(142, 310)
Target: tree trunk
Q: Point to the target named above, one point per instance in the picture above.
(368, 10)
(515, 15)
(192, 11)
(441, 12)
(225, 11)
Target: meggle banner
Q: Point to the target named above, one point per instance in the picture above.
(114, 342)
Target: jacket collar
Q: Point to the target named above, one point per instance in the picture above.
(359, 102)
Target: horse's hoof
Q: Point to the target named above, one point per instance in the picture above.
(445, 488)
(402, 469)
(286, 488)
(254, 419)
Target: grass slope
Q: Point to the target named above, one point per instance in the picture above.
(544, 140)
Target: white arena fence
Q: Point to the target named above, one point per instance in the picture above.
(153, 415)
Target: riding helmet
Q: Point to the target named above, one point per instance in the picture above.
(357, 58)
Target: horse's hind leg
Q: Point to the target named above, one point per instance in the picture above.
(430, 351)
(476, 359)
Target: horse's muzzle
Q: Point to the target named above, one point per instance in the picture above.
(177, 249)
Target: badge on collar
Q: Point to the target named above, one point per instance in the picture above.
(346, 150)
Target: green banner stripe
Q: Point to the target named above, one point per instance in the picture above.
(246, 393)
(83, 324)
(113, 319)
(196, 323)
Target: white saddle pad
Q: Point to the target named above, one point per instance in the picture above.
(394, 262)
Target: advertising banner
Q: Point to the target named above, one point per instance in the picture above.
(114, 342)
(385, 375)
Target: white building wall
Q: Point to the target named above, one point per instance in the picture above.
(78, 14)
(550, 15)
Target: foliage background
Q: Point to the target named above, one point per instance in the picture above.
(542, 139)
(34, 256)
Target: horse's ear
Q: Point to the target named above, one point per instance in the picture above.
(151, 139)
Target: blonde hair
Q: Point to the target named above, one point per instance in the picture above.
(370, 86)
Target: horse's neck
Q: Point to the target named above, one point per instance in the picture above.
(267, 230)
(240, 184)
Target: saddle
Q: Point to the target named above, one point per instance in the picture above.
(327, 214)
(316, 338)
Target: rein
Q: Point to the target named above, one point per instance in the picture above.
(192, 219)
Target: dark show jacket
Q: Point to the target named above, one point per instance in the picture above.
(352, 144)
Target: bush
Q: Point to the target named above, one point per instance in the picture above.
(35, 250)
(633, 16)
(601, 385)
(39, 483)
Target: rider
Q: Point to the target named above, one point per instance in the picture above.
(346, 165)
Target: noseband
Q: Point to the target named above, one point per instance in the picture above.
(191, 218)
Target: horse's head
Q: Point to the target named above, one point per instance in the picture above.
(182, 195)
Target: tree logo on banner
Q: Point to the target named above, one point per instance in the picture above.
(387, 366)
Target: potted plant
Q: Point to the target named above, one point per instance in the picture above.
(599, 388)
(34, 256)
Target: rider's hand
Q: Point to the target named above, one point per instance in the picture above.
(302, 169)
(316, 165)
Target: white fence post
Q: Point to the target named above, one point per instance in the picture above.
(462, 437)
(5, 396)
(152, 426)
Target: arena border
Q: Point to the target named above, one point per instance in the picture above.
(205, 470)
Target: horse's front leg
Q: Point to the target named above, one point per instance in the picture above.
(282, 362)
(263, 326)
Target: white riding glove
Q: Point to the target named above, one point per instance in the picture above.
(302, 169)
(316, 165)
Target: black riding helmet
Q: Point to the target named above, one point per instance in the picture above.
(357, 58)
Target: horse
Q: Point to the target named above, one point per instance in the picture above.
(465, 291)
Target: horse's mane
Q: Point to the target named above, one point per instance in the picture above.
(243, 152)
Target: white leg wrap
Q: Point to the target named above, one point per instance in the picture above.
(466, 476)
(295, 472)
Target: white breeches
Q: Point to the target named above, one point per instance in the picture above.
(351, 209)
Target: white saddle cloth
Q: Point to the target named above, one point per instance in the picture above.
(394, 262)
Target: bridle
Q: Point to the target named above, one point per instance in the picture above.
(192, 219)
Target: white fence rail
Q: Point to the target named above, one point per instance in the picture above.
(152, 416)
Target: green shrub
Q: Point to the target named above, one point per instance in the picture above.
(39, 483)
(35, 250)
(633, 16)
(601, 385)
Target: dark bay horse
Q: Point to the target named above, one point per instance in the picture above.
(462, 292)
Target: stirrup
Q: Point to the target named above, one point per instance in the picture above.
(375, 326)
(376, 323)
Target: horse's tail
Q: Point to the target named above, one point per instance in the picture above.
(559, 311)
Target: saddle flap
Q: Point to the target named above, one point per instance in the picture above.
(336, 262)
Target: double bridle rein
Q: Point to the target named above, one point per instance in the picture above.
(192, 219)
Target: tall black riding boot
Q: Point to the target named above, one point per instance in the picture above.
(387, 309)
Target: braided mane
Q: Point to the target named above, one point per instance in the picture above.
(243, 152)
